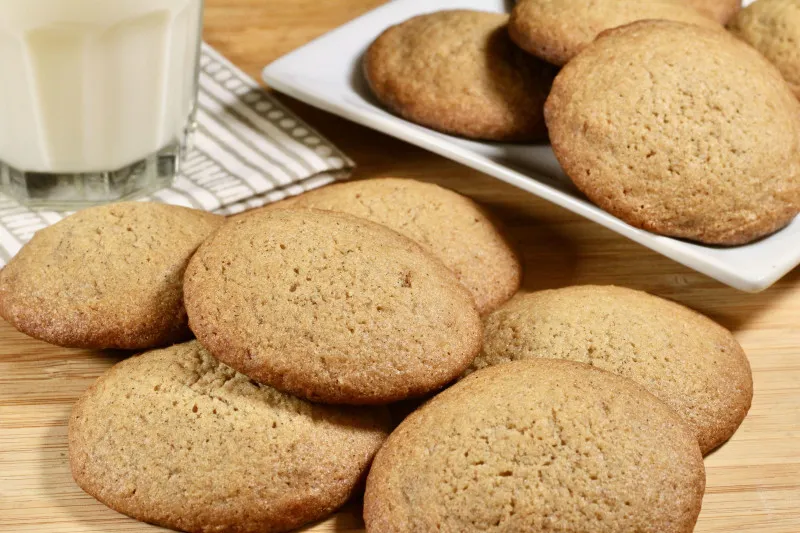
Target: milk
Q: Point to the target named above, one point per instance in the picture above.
(95, 85)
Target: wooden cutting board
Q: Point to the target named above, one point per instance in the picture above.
(753, 481)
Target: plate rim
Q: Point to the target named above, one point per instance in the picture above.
(279, 77)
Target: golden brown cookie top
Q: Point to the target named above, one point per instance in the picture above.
(557, 30)
(106, 277)
(722, 10)
(688, 361)
(330, 307)
(538, 445)
(451, 226)
(458, 72)
(175, 438)
(663, 125)
(773, 28)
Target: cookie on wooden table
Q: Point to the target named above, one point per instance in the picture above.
(330, 307)
(773, 28)
(458, 72)
(538, 445)
(175, 438)
(557, 30)
(106, 277)
(722, 10)
(451, 226)
(691, 363)
(662, 125)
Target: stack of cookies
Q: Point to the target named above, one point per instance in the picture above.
(578, 409)
(654, 111)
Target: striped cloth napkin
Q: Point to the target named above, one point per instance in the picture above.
(248, 151)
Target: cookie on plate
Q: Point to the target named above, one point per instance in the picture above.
(106, 277)
(671, 138)
(175, 438)
(330, 307)
(557, 30)
(773, 28)
(450, 226)
(722, 10)
(538, 445)
(688, 361)
(458, 72)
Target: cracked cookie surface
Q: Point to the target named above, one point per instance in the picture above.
(688, 361)
(175, 438)
(662, 125)
(538, 445)
(330, 307)
(458, 72)
(557, 30)
(451, 226)
(106, 277)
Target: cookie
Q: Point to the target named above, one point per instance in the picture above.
(688, 361)
(459, 73)
(450, 226)
(330, 307)
(773, 28)
(678, 147)
(557, 30)
(175, 438)
(538, 445)
(722, 10)
(106, 277)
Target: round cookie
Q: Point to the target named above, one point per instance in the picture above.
(175, 438)
(450, 226)
(458, 72)
(330, 307)
(688, 361)
(773, 28)
(106, 277)
(557, 30)
(722, 10)
(538, 445)
(678, 146)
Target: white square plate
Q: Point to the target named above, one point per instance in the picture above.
(327, 73)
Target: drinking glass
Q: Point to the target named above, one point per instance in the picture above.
(97, 97)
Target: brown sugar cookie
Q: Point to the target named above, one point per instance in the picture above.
(450, 226)
(330, 307)
(773, 28)
(557, 30)
(106, 277)
(688, 361)
(671, 138)
(458, 72)
(538, 445)
(722, 10)
(175, 438)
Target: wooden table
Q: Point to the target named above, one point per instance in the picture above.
(753, 481)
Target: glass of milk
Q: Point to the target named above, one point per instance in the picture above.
(97, 97)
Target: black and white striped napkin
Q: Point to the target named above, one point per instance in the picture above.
(248, 151)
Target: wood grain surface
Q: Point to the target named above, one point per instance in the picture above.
(753, 481)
